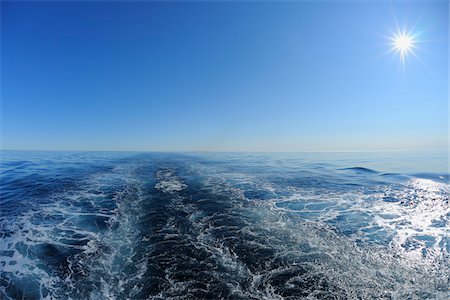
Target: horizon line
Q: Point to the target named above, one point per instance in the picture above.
(232, 151)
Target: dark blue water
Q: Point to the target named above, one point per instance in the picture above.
(224, 226)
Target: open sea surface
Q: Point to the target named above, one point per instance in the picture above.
(124, 225)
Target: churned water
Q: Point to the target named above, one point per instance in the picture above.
(79, 225)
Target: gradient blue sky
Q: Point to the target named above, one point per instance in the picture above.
(230, 76)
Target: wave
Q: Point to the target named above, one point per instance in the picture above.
(360, 170)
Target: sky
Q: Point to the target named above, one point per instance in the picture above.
(223, 76)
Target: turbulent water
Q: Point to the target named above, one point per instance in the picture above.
(224, 226)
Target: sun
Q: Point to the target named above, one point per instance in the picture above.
(404, 44)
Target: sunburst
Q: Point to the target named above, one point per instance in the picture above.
(404, 44)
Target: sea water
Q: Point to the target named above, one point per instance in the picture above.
(106, 225)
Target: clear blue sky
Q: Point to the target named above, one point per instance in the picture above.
(232, 76)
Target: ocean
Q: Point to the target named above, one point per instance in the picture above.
(128, 225)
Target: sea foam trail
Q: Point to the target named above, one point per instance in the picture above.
(168, 226)
(208, 241)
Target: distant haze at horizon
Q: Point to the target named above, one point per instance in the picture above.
(226, 76)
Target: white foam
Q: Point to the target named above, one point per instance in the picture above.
(168, 182)
(64, 212)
